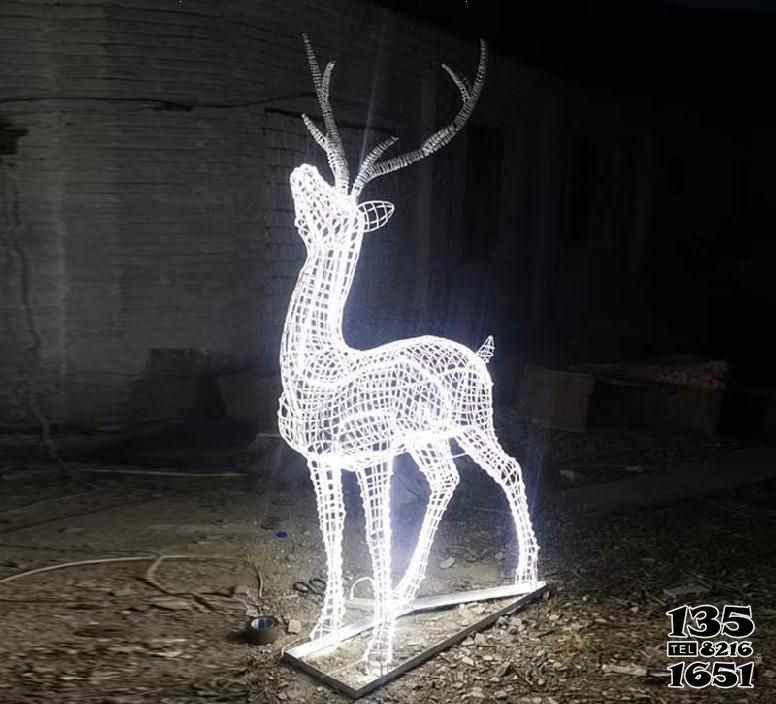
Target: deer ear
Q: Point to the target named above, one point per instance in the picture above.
(375, 213)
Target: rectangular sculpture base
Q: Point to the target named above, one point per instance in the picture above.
(420, 634)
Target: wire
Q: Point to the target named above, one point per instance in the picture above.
(106, 560)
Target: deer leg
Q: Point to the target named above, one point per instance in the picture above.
(484, 448)
(375, 484)
(436, 463)
(331, 514)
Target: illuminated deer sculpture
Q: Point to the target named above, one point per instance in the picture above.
(354, 410)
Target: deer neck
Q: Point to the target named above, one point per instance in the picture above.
(314, 321)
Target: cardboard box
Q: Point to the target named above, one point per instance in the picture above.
(252, 398)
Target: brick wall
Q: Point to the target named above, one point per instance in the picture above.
(146, 211)
(147, 234)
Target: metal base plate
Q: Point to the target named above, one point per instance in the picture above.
(336, 658)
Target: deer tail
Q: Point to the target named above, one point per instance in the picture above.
(486, 351)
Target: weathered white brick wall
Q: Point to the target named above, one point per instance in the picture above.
(147, 208)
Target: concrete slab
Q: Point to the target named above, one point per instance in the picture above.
(722, 472)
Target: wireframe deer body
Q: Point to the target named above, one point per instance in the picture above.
(355, 410)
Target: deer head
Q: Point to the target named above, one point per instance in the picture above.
(330, 216)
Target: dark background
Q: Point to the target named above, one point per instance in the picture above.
(714, 58)
(613, 198)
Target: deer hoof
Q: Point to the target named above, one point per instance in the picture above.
(325, 625)
(526, 584)
(378, 658)
(379, 653)
(401, 601)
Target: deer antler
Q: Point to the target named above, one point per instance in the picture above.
(372, 168)
(331, 142)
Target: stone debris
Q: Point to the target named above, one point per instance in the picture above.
(502, 669)
(122, 592)
(127, 649)
(447, 563)
(294, 626)
(163, 642)
(171, 603)
(689, 589)
(634, 670)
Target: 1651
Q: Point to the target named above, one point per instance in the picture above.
(699, 674)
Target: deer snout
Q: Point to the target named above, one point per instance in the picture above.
(305, 177)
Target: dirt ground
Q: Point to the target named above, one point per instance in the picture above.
(169, 631)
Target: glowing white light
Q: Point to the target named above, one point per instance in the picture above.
(355, 410)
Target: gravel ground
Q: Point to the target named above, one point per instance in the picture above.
(169, 632)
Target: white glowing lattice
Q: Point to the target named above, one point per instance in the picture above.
(355, 410)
